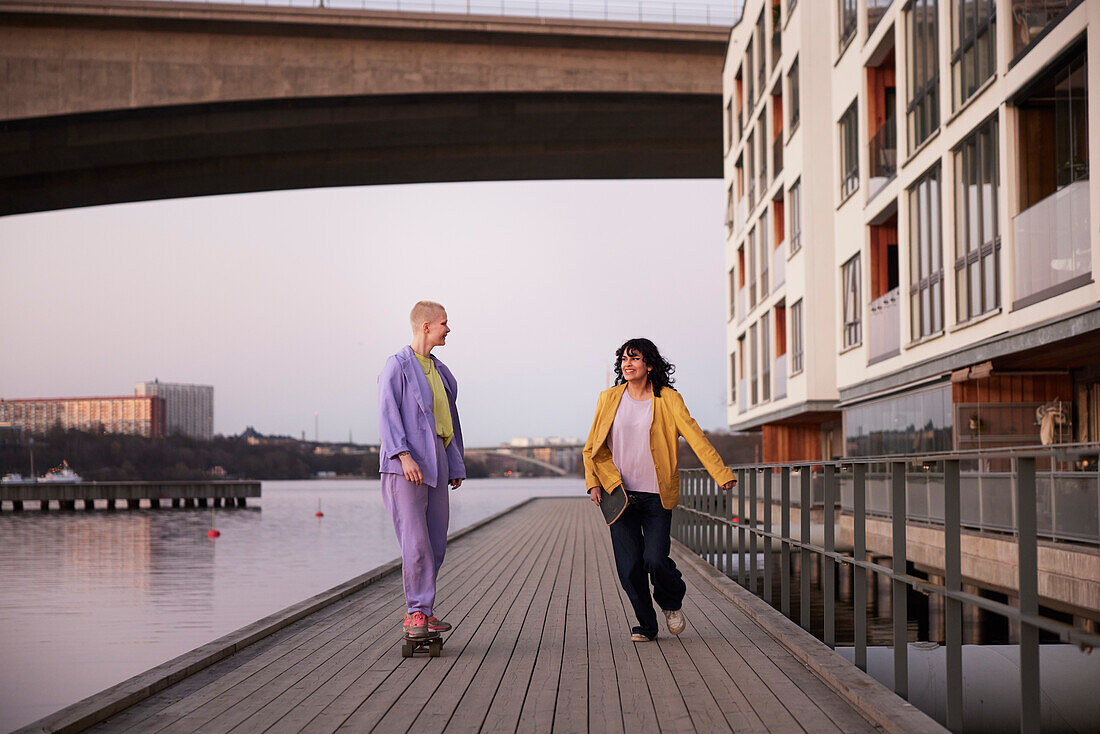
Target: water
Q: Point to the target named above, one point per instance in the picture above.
(91, 599)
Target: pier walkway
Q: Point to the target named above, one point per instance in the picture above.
(540, 643)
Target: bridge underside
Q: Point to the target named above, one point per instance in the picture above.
(233, 147)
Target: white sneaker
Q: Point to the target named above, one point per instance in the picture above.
(675, 621)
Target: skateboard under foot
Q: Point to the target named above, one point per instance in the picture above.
(433, 644)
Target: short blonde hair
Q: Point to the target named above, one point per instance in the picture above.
(424, 311)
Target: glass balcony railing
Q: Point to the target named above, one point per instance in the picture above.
(779, 265)
(781, 376)
(742, 392)
(885, 327)
(883, 163)
(752, 192)
(1052, 249)
(741, 214)
(741, 310)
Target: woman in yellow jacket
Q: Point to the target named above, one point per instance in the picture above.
(633, 443)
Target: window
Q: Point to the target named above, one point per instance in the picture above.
(733, 292)
(728, 127)
(762, 138)
(754, 384)
(766, 359)
(925, 256)
(731, 207)
(853, 307)
(761, 70)
(846, 22)
(794, 196)
(923, 112)
(750, 169)
(749, 78)
(792, 94)
(1032, 18)
(977, 223)
(973, 46)
(765, 254)
(751, 261)
(849, 153)
(733, 378)
(796, 338)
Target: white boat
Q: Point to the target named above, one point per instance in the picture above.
(12, 477)
(61, 473)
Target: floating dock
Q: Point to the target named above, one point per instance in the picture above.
(541, 643)
(15, 496)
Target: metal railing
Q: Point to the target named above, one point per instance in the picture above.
(639, 11)
(724, 528)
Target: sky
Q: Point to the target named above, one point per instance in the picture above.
(288, 303)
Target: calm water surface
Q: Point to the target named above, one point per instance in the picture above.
(90, 599)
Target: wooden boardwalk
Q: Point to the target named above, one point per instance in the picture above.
(540, 643)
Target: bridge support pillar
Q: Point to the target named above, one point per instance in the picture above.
(89, 505)
(17, 506)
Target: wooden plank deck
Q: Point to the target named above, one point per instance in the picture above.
(540, 643)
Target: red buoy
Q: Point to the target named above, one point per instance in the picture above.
(213, 534)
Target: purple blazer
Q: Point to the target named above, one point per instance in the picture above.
(406, 421)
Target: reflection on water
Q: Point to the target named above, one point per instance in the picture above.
(90, 599)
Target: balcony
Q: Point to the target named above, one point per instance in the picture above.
(1052, 249)
(885, 327)
(779, 264)
(777, 154)
(883, 158)
(740, 215)
(742, 391)
(781, 376)
(741, 310)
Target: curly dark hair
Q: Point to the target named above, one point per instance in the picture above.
(660, 372)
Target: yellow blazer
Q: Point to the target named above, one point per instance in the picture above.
(670, 421)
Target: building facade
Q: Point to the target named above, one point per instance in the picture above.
(139, 416)
(911, 227)
(190, 407)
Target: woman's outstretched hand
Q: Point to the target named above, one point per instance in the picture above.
(729, 485)
(594, 493)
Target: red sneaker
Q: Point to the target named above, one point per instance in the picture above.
(416, 625)
(437, 625)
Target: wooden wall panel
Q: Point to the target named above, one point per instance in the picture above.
(791, 442)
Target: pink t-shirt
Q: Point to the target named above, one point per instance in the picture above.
(629, 442)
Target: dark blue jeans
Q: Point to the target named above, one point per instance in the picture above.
(640, 539)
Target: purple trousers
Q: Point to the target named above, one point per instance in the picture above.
(420, 517)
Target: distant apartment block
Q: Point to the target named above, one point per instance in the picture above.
(190, 408)
(139, 416)
(911, 225)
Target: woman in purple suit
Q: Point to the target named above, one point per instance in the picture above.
(420, 456)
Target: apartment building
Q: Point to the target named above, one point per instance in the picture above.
(190, 407)
(139, 416)
(910, 224)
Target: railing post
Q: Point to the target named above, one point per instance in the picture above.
(804, 554)
(727, 535)
(859, 552)
(753, 544)
(828, 565)
(768, 572)
(952, 577)
(1027, 528)
(785, 549)
(900, 588)
(742, 477)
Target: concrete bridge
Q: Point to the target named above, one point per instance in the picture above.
(106, 101)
